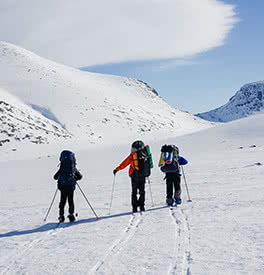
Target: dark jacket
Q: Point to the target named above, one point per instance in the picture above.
(66, 180)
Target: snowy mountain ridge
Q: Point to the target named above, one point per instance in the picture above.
(88, 106)
(247, 101)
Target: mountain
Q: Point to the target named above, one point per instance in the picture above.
(247, 101)
(84, 106)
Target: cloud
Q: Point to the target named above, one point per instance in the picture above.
(88, 32)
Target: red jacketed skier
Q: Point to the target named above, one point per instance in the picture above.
(138, 171)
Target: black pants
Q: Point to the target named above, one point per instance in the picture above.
(138, 184)
(66, 193)
(173, 181)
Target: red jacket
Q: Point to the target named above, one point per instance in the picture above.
(132, 160)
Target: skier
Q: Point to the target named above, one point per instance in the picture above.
(170, 163)
(139, 169)
(67, 177)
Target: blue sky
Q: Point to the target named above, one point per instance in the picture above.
(206, 80)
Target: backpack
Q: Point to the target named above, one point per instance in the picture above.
(169, 159)
(67, 169)
(141, 158)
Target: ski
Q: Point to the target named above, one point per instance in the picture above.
(57, 225)
(173, 206)
(65, 223)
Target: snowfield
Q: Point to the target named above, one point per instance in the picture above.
(220, 232)
(46, 108)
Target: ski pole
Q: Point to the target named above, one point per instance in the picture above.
(189, 199)
(51, 205)
(75, 205)
(97, 218)
(150, 193)
(112, 194)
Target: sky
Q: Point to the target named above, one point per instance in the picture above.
(195, 53)
(207, 81)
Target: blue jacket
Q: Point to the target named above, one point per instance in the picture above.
(182, 160)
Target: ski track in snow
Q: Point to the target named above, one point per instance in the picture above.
(119, 244)
(183, 257)
(17, 256)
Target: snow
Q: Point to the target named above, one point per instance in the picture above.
(219, 232)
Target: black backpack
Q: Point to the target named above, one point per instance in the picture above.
(169, 156)
(142, 158)
(67, 169)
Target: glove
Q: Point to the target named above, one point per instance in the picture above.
(115, 171)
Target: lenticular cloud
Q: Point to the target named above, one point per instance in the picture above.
(88, 32)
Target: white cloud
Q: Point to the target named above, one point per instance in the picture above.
(88, 32)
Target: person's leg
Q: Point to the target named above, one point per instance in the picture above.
(141, 187)
(71, 202)
(62, 204)
(134, 201)
(169, 188)
(177, 188)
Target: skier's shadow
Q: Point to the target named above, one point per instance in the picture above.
(54, 226)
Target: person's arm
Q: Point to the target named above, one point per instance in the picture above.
(78, 175)
(56, 176)
(124, 163)
(182, 161)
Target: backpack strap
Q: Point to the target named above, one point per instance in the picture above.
(161, 161)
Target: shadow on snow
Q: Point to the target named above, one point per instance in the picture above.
(54, 226)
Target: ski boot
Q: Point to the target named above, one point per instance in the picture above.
(178, 201)
(71, 217)
(134, 209)
(142, 208)
(61, 219)
(170, 202)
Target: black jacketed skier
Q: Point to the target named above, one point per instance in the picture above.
(67, 177)
(170, 162)
(139, 169)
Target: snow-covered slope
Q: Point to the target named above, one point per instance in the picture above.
(248, 100)
(19, 122)
(88, 106)
(219, 232)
